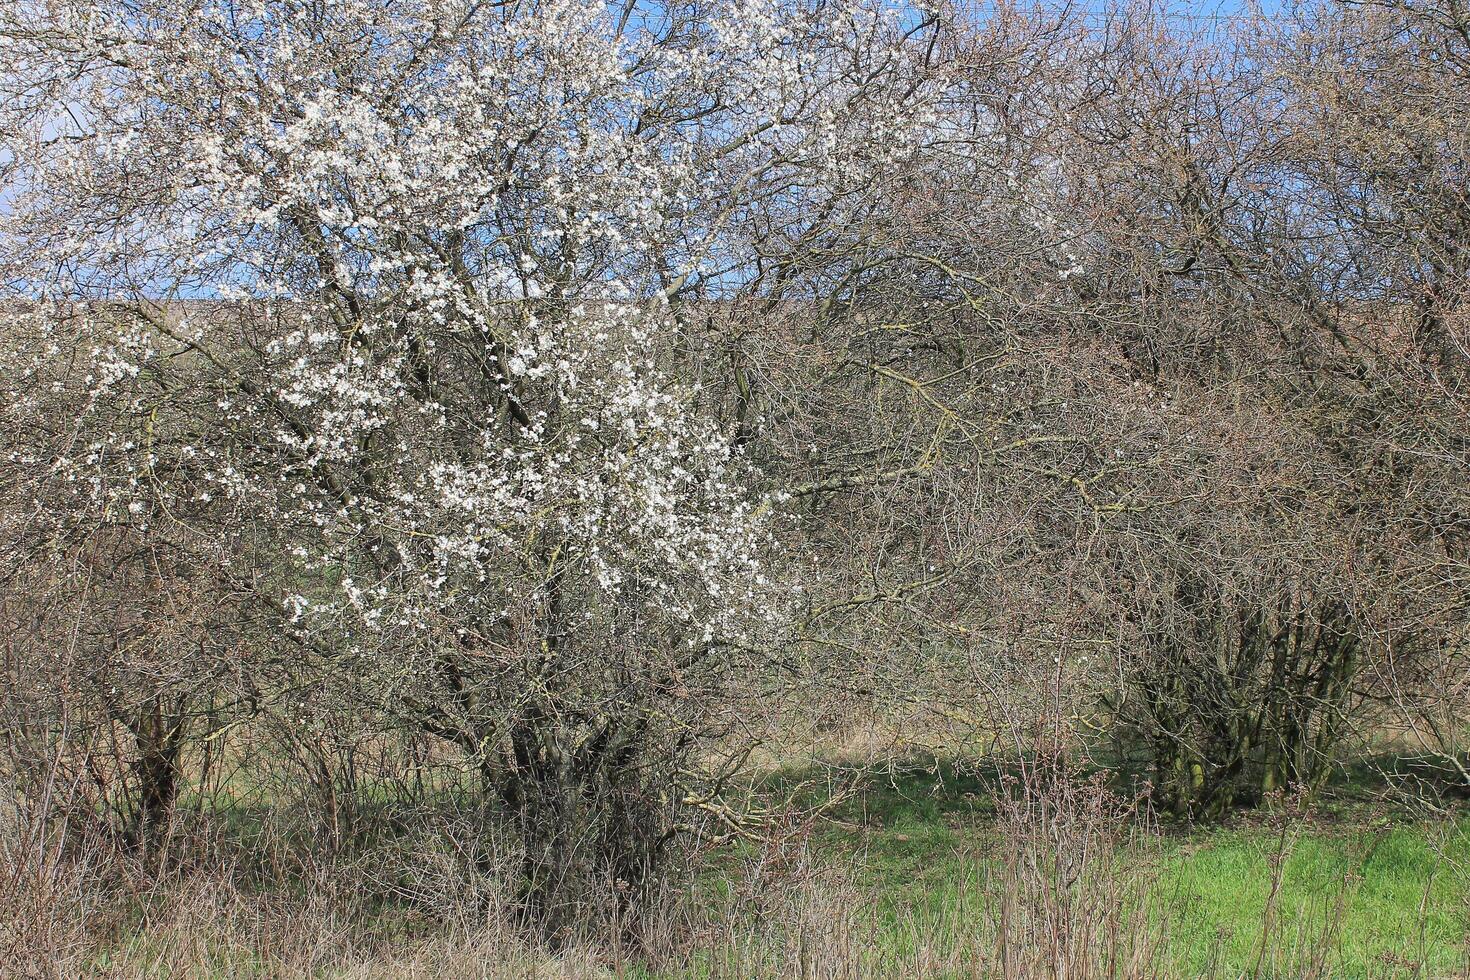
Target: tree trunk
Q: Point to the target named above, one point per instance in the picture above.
(159, 739)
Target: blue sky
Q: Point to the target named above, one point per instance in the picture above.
(1184, 9)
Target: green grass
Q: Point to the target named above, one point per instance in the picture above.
(1350, 890)
(1370, 896)
(1387, 899)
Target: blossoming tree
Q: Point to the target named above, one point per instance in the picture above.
(417, 260)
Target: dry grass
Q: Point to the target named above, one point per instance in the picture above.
(1067, 883)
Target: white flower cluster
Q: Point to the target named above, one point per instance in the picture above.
(452, 229)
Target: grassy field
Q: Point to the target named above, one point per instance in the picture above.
(1344, 889)
(917, 872)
